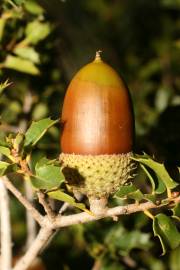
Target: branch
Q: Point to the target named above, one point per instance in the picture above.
(64, 221)
(63, 208)
(36, 215)
(97, 265)
(47, 208)
(6, 251)
(80, 218)
(31, 223)
(34, 249)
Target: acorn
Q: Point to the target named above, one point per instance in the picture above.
(97, 133)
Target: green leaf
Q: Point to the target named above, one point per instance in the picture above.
(20, 64)
(34, 157)
(125, 190)
(3, 167)
(2, 25)
(150, 197)
(18, 142)
(121, 240)
(40, 111)
(151, 262)
(174, 261)
(36, 31)
(6, 168)
(152, 67)
(167, 232)
(160, 186)
(33, 7)
(157, 185)
(176, 211)
(158, 168)
(19, 2)
(42, 162)
(47, 175)
(5, 151)
(37, 130)
(61, 196)
(149, 176)
(4, 143)
(136, 195)
(129, 192)
(163, 96)
(27, 53)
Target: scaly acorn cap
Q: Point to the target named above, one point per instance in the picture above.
(97, 134)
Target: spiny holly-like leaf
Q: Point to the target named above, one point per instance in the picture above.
(160, 186)
(47, 175)
(21, 64)
(176, 211)
(150, 197)
(129, 192)
(158, 168)
(62, 196)
(149, 176)
(167, 232)
(125, 190)
(157, 185)
(136, 195)
(37, 130)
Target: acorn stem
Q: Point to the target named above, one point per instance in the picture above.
(98, 206)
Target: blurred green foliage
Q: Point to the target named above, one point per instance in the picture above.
(42, 44)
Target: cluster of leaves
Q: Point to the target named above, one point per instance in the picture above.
(26, 49)
(161, 184)
(21, 45)
(45, 174)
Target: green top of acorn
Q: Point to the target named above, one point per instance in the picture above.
(100, 73)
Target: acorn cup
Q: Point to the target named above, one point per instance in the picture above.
(97, 133)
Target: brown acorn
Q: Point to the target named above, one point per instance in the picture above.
(97, 134)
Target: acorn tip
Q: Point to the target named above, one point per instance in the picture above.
(98, 56)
